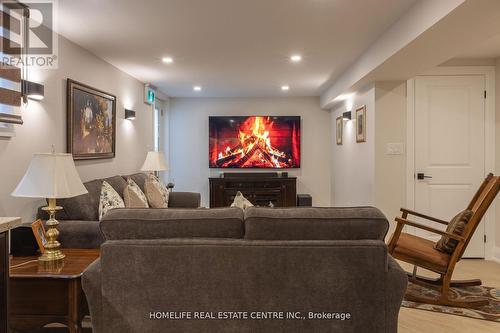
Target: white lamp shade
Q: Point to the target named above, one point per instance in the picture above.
(51, 176)
(155, 161)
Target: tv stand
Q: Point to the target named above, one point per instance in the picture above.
(260, 189)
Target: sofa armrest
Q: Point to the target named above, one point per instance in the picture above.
(397, 280)
(184, 200)
(91, 284)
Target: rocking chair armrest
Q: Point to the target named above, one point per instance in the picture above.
(430, 218)
(433, 230)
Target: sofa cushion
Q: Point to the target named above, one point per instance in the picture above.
(86, 206)
(156, 192)
(421, 251)
(315, 223)
(118, 183)
(172, 223)
(241, 202)
(139, 178)
(110, 199)
(133, 195)
(83, 207)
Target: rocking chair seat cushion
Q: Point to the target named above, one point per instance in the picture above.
(421, 252)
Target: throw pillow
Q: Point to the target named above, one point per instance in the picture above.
(109, 199)
(456, 226)
(133, 195)
(241, 202)
(156, 192)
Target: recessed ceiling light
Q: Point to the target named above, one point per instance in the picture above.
(197, 88)
(285, 88)
(296, 58)
(167, 60)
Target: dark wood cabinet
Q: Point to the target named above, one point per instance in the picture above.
(259, 190)
(4, 280)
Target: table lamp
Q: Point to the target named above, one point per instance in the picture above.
(155, 161)
(51, 176)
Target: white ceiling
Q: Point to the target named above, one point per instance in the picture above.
(229, 47)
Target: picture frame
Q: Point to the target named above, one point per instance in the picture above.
(91, 122)
(39, 233)
(339, 130)
(361, 124)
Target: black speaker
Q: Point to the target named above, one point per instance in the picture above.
(250, 174)
(23, 242)
(304, 200)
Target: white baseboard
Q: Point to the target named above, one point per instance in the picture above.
(496, 255)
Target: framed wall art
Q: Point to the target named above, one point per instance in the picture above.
(361, 124)
(340, 129)
(91, 122)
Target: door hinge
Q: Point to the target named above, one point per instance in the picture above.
(485, 238)
(485, 94)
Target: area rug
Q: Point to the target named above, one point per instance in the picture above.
(489, 312)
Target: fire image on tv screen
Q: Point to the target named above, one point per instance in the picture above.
(254, 142)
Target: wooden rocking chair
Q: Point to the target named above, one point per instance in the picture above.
(421, 252)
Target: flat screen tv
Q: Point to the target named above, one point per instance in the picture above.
(254, 142)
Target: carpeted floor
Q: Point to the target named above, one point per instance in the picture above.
(489, 312)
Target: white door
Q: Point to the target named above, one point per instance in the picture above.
(450, 148)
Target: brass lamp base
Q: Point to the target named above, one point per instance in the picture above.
(52, 256)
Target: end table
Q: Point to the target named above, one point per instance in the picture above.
(6, 223)
(39, 297)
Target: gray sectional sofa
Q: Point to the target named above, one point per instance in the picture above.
(79, 219)
(324, 263)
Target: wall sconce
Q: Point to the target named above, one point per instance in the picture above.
(32, 90)
(129, 114)
(347, 115)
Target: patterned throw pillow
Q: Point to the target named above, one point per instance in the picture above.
(110, 199)
(133, 195)
(156, 192)
(241, 202)
(456, 226)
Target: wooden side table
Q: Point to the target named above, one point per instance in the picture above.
(6, 223)
(39, 297)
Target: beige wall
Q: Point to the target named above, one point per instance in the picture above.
(390, 127)
(497, 154)
(45, 125)
(362, 173)
(189, 140)
(353, 164)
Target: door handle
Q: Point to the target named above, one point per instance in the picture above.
(422, 176)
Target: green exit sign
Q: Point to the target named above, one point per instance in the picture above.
(149, 95)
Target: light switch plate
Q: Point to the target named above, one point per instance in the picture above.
(395, 148)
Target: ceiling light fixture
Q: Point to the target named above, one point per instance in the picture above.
(197, 88)
(296, 58)
(285, 88)
(167, 60)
